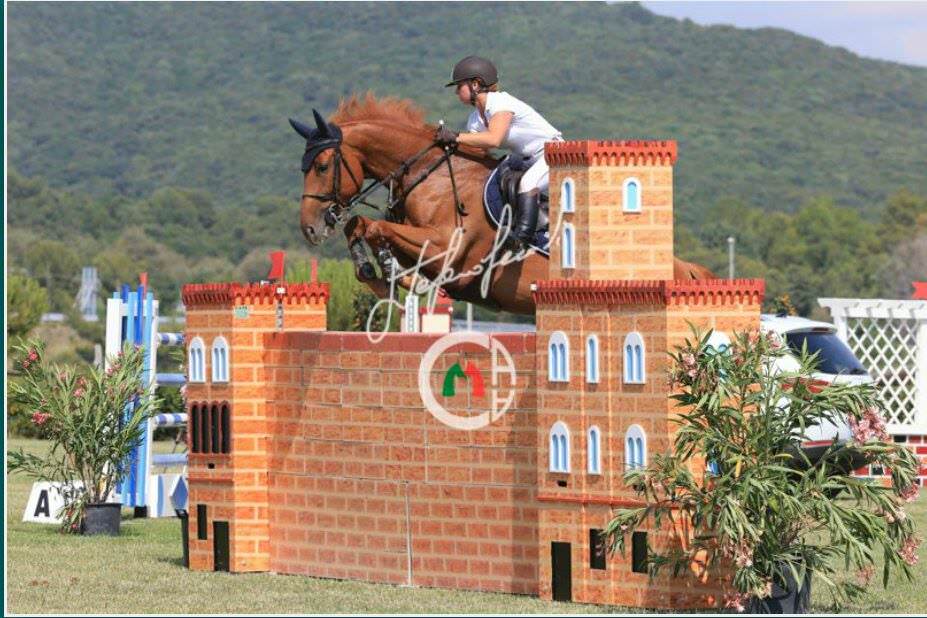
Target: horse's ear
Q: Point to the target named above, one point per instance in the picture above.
(321, 124)
(301, 128)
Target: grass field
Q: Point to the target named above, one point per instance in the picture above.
(141, 572)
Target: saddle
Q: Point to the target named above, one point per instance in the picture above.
(502, 188)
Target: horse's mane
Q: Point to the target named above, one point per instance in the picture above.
(397, 112)
(357, 108)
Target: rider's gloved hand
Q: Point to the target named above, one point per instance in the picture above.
(445, 136)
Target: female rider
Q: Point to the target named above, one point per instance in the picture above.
(501, 120)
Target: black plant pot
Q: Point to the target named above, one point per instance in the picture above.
(793, 599)
(103, 518)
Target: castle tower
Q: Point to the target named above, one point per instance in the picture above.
(612, 203)
(228, 377)
(606, 318)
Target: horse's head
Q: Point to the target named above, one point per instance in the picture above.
(325, 196)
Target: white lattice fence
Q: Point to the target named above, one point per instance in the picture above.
(890, 338)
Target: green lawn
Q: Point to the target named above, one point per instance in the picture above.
(141, 572)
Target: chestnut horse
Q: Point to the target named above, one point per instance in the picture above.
(426, 233)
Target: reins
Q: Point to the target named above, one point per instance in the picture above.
(335, 213)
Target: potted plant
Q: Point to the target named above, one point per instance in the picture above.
(94, 418)
(756, 506)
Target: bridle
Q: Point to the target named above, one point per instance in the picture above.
(339, 207)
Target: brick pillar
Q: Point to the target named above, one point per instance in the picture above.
(232, 486)
(623, 208)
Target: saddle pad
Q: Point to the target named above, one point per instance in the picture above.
(492, 202)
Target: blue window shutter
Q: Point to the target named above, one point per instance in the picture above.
(554, 455)
(564, 453)
(638, 364)
(633, 197)
(639, 452)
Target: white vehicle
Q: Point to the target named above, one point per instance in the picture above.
(836, 365)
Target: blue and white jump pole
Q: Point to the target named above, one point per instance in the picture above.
(132, 316)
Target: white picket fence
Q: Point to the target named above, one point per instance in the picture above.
(890, 338)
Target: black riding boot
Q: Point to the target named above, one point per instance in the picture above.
(526, 217)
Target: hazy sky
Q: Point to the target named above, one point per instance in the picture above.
(894, 31)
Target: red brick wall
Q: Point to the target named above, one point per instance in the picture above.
(361, 473)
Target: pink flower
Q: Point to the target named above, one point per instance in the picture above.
(33, 354)
(81, 381)
(25, 364)
(736, 601)
(908, 551)
(871, 425)
(78, 392)
(688, 360)
(910, 493)
(40, 418)
(864, 575)
(692, 373)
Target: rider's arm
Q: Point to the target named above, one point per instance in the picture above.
(493, 136)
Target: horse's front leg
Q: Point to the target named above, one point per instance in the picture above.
(355, 231)
(412, 243)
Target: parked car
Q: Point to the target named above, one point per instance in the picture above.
(836, 365)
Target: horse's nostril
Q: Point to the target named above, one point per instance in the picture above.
(309, 232)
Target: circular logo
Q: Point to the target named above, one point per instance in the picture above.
(501, 395)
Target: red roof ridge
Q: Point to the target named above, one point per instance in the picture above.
(648, 292)
(194, 294)
(611, 152)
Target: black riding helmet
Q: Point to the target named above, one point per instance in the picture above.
(474, 67)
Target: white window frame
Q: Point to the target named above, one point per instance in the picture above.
(625, 205)
(568, 198)
(568, 246)
(592, 359)
(558, 357)
(635, 448)
(559, 443)
(635, 363)
(594, 450)
(220, 359)
(196, 361)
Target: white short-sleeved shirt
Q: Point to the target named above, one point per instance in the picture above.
(528, 130)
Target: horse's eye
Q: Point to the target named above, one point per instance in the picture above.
(322, 167)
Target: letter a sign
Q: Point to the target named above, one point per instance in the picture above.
(44, 504)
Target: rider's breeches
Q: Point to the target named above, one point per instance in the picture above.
(537, 177)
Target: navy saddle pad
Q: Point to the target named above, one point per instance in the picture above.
(493, 202)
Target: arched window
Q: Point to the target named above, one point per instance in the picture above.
(214, 429)
(567, 196)
(195, 443)
(718, 341)
(196, 361)
(559, 448)
(631, 195)
(558, 358)
(592, 359)
(594, 451)
(635, 359)
(635, 448)
(226, 427)
(220, 360)
(568, 256)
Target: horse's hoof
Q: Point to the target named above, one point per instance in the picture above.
(366, 272)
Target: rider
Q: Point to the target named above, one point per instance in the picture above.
(501, 120)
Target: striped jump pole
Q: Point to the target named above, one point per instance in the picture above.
(132, 316)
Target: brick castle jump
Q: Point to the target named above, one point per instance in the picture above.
(311, 452)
